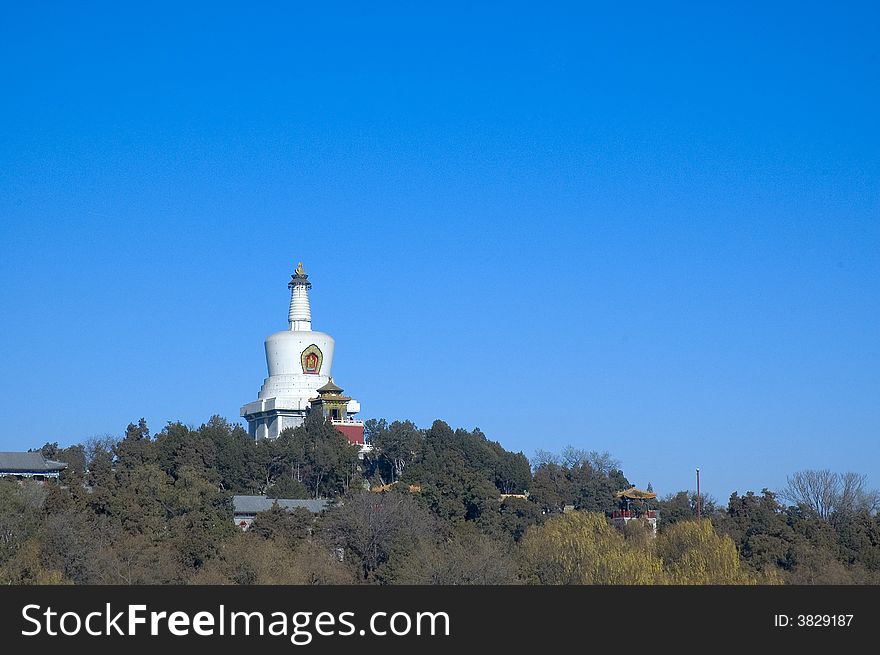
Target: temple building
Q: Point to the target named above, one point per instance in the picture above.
(246, 508)
(634, 505)
(31, 465)
(300, 360)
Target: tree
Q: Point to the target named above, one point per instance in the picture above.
(178, 447)
(602, 462)
(516, 515)
(249, 559)
(542, 457)
(682, 506)
(315, 454)
(20, 507)
(27, 567)
(582, 548)
(551, 488)
(513, 474)
(826, 493)
(759, 528)
(692, 553)
(287, 486)
(67, 542)
(462, 474)
(135, 449)
(286, 527)
(146, 509)
(97, 445)
(74, 457)
(858, 536)
(467, 556)
(593, 490)
(370, 526)
(372, 427)
(854, 496)
(398, 444)
(585, 479)
(238, 457)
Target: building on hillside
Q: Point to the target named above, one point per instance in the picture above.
(333, 405)
(246, 508)
(382, 488)
(29, 466)
(633, 506)
(299, 360)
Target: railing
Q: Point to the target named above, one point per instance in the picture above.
(632, 514)
(346, 421)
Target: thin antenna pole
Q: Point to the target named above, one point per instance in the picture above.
(698, 494)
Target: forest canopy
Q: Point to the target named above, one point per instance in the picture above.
(430, 505)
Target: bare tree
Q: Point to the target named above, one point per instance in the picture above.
(98, 443)
(370, 526)
(854, 495)
(543, 457)
(814, 490)
(573, 457)
(603, 462)
(827, 494)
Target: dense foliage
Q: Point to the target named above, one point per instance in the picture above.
(455, 508)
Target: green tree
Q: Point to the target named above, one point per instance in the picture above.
(551, 488)
(178, 447)
(135, 449)
(516, 515)
(760, 530)
(513, 474)
(397, 444)
(682, 506)
(286, 527)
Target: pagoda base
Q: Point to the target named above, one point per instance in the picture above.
(270, 424)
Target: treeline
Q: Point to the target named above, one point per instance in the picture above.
(458, 509)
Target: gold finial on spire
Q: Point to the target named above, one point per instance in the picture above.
(299, 269)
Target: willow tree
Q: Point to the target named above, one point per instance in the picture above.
(582, 548)
(693, 553)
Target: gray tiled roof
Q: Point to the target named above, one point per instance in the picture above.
(28, 463)
(254, 504)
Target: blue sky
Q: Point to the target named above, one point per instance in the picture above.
(653, 230)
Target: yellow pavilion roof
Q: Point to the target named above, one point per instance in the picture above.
(636, 494)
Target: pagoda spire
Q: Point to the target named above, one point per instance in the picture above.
(300, 314)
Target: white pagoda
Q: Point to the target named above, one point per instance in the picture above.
(300, 361)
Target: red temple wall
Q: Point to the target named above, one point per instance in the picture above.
(354, 433)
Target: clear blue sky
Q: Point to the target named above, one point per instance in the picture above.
(651, 229)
